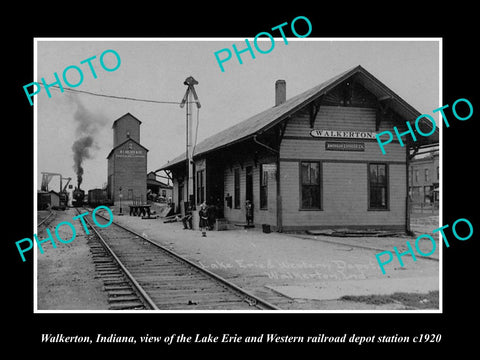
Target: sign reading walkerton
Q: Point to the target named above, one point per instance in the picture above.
(350, 134)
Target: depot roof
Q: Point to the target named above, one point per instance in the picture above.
(266, 119)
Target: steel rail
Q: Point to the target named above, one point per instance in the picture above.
(130, 277)
(46, 218)
(225, 282)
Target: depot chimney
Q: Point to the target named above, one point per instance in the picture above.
(280, 92)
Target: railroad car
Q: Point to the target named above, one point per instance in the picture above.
(98, 197)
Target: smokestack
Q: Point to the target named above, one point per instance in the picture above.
(280, 92)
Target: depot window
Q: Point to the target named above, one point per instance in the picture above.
(310, 190)
(378, 186)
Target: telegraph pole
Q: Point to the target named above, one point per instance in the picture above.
(187, 98)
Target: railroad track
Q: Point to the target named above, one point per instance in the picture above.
(48, 217)
(141, 274)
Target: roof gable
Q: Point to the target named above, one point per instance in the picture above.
(125, 117)
(123, 143)
(268, 118)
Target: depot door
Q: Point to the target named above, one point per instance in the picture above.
(214, 185)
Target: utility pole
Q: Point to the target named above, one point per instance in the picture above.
(187, 98)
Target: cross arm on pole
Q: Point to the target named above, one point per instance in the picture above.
(190, 82)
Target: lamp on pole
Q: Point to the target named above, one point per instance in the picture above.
(187, 98)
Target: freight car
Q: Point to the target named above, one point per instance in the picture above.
(98, 197)
(78, 197)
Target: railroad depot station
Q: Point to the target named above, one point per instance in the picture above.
(311, 161)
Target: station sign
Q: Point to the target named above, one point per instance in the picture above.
(343, 134)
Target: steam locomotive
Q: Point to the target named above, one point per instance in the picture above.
(78, 196)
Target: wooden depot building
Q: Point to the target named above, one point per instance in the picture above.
(312, 161)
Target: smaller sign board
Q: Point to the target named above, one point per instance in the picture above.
(344, 146)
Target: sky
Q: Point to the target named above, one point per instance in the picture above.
(156, 69)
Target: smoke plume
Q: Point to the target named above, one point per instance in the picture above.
(81, 151)
(88, 125)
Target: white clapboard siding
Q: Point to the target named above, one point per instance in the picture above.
(344, 176)
(344, 197)
(261, 216)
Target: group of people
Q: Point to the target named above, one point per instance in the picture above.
(208, 214)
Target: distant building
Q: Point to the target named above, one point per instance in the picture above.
(311, 161)
(127, 162)
(424, 177)
(54, 198)
(47, 199)
(157, 187)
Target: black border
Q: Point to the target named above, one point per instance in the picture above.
(455, 26)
